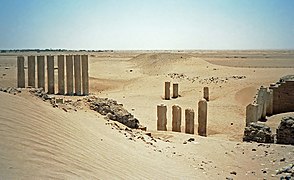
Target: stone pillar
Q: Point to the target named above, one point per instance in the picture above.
(31, 71)
(206, 93)
(20, 72)
(60, 60)
(69, 75)
(41, 71)
(85, 75)
(50, 74)
(261, 101)
(269, 103)
(175, 90)
(189, 121)
(167, 90)
(77, 72)
(202, 118)
(251, 113)
(161, 117)
(276, 98)
(177, 118)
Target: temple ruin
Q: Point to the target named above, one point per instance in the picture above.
(73, 76)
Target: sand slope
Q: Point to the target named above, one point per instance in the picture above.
(38, 141)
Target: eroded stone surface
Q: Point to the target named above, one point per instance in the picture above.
(114, 111)
(258, 133)
(285, 131)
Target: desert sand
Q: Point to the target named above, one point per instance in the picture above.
(39, 141)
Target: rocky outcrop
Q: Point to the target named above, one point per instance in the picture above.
(258, 133)
(285, 131)
(114, 111)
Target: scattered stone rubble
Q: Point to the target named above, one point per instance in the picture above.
(40, 93)
(11, 90)
(285, 131)
(216, 80)
(113, 111)
(182, 77)
(262, 133)
(133, 134)
(258, 133)
(287, 172)
(104, 106)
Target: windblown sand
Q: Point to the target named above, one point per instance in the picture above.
(38, 141)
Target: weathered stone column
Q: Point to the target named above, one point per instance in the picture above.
(31, 71)
(261, 101)
(41, 71)
(189, 121)
(85, 75)
(161, 117)
(206, 93)
(50, 74)
(269, 102)
(77, 72)
(60, 60)
(251, 113)
(175, 90)
(202, 118)
(276, 98)
(69, 75)
(20, 72)
(167, 90)
(177, 118)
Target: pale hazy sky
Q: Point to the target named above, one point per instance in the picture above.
(147, 24)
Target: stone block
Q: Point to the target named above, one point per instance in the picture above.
(202, 118)
(189, 121)
(176, 118)
(161, 117)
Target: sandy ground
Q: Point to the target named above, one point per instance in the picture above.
(39, 141)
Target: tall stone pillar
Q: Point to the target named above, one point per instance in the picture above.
(20, 72)
(202, 118)
(189, 121)
(77, 73)
(85, 75)
(175, 90)
(167, 90)
(251, 113)
(276, 98)
(60, 60)
(206, 93)
(31, 71)
(69, 74)
(161, 117)
(176, 118)
(261, 101)
(50, 74)
(41, 71)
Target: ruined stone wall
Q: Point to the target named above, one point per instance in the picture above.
(278, 98)
(283, 97)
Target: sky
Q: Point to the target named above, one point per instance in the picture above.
(147, 24)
